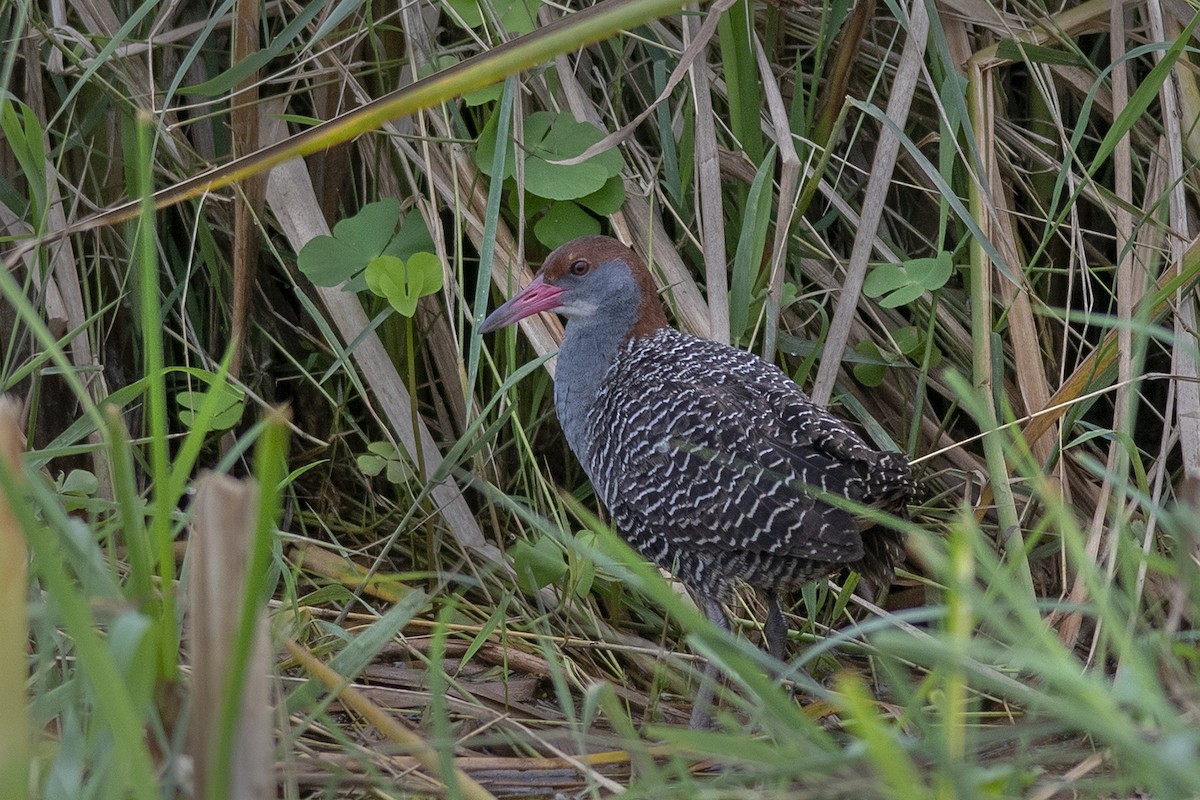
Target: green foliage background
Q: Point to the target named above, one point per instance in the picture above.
(970, 227)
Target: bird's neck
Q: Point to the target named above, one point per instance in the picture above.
(628, 307)
(588, 349)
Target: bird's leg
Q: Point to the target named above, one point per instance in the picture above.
(702, 705)
(775, 632)
(775, 629)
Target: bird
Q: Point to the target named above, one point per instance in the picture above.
(712, 462)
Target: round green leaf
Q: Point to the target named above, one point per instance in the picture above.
(488, 94)
(551, 137)
(582, 576)
(378, 275)
(608, 199)
(520, 17)
(79, 482)
(562, 222)
(399, 472)
(871, 369)
(436, 64)
(383, 449)
(465, 10)
(601, 549)
(559, 182)
(516, 16)
(533, 204)
(485, 150)
(537, 565)
(908, 340)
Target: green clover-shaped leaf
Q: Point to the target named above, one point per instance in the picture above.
(538, 564)
(910, 341)
(900, 284)
(230, 403)
(598, 548)
(328, 262)
(384, 455)
(331, 260)
(413, 237)
(359, 240)
(871, 363)
(402, 283)
(370, 230)
(370, 464)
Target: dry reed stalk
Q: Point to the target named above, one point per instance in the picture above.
(708, 193)
(248, 200)
(887, 149)
(389, 726)
(14, 627)
(223, 527)
(290, 196)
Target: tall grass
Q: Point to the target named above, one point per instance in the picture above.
(451, 613)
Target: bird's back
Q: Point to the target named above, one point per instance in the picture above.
(713, 463)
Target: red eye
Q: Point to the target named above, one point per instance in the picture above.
(579, 267)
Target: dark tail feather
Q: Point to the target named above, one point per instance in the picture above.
(882, 550)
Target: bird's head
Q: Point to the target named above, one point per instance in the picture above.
(594, 278)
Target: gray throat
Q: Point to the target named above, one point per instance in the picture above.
(589, 347)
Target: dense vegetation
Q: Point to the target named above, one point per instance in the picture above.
(971, 233)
